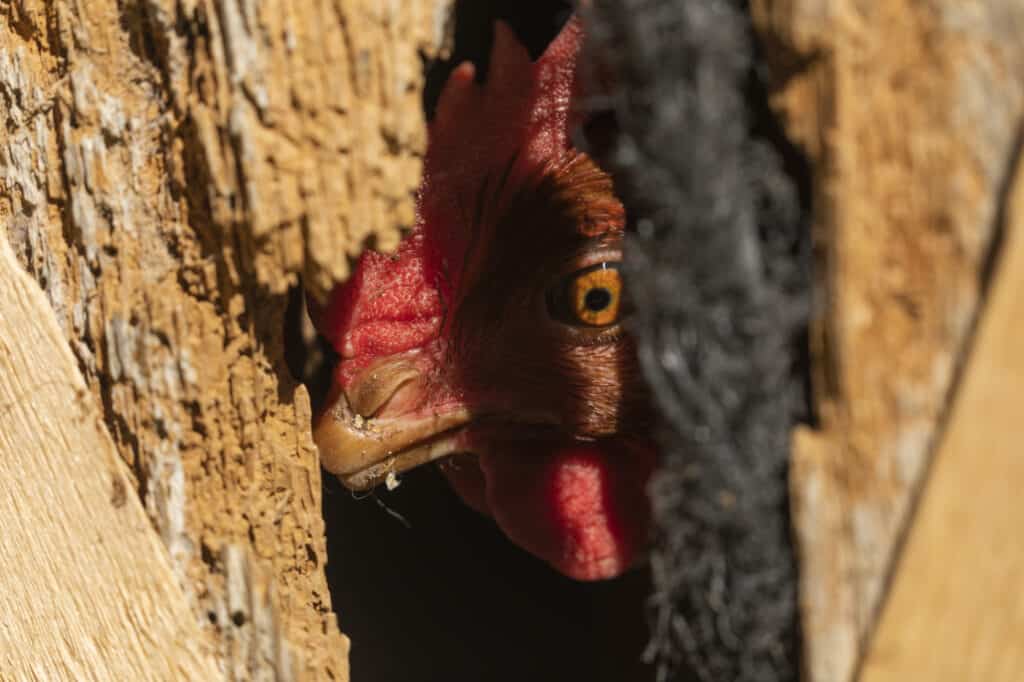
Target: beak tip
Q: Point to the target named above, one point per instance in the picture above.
(364, 452)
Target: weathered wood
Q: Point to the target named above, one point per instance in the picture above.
(86, 587)
(909, 111)
(956, 608)
(168, 169)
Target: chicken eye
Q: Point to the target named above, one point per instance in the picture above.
(589, 297)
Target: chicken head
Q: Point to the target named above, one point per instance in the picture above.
(491, 340)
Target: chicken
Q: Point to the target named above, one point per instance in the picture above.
(492, 339)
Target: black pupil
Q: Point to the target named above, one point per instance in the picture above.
(597, 299)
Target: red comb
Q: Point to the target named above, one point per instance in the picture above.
(506, 129)
(510, 126)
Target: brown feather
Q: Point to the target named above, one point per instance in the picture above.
(511, 355)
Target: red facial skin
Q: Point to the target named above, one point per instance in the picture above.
(559, 413)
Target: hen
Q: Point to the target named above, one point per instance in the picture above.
(491, 339)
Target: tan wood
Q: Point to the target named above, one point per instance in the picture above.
(169, 169)
(86, 586)
(908, 111)
(955, 612)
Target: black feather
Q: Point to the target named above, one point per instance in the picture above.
(718, 270)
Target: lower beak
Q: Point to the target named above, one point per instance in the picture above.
(365, 451)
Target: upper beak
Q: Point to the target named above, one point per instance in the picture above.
(363, 448)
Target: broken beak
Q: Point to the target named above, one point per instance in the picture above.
(362, 445)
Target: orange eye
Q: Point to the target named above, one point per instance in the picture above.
(594, 295)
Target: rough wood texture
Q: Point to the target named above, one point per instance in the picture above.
(168, 169)
(78, 556)
(956, 608)
(909, 111)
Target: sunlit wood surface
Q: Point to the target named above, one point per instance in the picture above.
(86, 587)
(956, 609)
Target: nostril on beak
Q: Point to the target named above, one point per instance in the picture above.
(375, 387)
(373, 428)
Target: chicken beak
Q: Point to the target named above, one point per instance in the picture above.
(364, 448)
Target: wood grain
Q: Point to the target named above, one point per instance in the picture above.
(86, 586)
(956, 608)
(908, 111)
(169, 169)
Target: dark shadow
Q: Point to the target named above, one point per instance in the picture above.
(441, 594)
(767, 129)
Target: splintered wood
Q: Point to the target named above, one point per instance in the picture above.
(86, 586)
(908, 111)
(168, 170)
(956, 609)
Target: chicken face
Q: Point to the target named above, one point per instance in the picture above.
(491, 339)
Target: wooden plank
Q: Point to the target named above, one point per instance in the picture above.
(168, 170)
(956, 609)
(86, 588)
(908, 112)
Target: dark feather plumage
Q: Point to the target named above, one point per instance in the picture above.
(718, 271)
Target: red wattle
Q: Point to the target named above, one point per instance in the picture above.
(582, 508)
